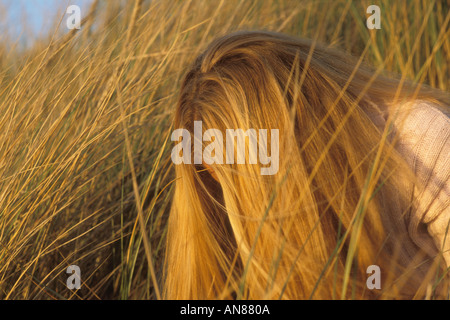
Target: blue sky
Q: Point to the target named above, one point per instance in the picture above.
(33, 17)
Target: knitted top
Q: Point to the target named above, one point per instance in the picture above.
(424, 142)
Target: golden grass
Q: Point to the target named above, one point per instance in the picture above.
(85, 117)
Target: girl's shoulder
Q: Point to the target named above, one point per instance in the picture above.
(421, 115)
(424, 140)
(423, 125)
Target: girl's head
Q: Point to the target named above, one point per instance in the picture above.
(320, 219)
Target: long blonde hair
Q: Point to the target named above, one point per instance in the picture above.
(312, 229)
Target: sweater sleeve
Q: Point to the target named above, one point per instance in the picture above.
(426, 131)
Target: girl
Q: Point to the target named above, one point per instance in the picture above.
(362, 182)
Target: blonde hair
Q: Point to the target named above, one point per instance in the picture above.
(311, 230)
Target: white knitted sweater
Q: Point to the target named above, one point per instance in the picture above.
(424, 142)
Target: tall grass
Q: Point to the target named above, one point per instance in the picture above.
(85, 121)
